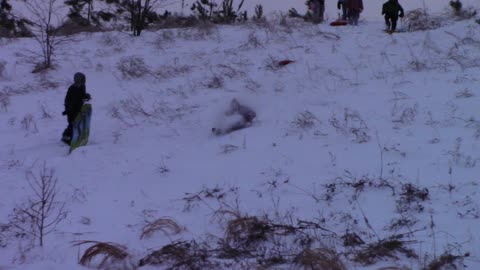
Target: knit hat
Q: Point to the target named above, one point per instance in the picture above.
(79, 78)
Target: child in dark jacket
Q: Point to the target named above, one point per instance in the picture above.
(74, 100)
(392, 10)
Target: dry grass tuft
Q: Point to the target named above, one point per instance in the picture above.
(466, 93)
(176, 251)
(246, 231)
(420, 20)
(320, 259)
(165, 225)
(352, 240)
(384, 249)
(446, 261)
(111, 252)
(411, 198)
(305, 120)
(133, 67)
(181, 255)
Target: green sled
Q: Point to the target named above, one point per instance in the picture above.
(81, 127)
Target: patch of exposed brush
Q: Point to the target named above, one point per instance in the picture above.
(319, 259)
(305, 120)
(134, 110)
(248, 231)
(384, 249)
(276, 243)
(219, 194)
(351, 124)
(133, 67)
(420, 20)
(411, 198)
(182, 255)
(352, 239)
(355, 185)
(102, 254)
(175, 21)
(403, 222)
(165, 225)
(171, 71)
(446, 261)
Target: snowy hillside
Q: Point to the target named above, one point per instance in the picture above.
(364, 134)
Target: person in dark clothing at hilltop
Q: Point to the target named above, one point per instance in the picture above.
(392, 10)
(74, 100)
(316, 10)
(246, 116)
(354, 7)
(342, 5)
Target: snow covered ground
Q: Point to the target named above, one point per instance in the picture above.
(356, 109)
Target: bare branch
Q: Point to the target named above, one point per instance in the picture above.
(42, 212)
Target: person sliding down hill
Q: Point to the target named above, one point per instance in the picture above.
(392, 10)
(76, 96)
(355, 7)
(240, 116)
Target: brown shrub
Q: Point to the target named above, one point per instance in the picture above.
(320, 259)
(111, 252)
(165, 225)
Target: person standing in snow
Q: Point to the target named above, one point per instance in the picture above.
(74, 100)
(392, 10)
(342, 4)
(246, 116)
(316, 10)
(355, 7)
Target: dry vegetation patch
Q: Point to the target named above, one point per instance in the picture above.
(165, 225)
(107, 253)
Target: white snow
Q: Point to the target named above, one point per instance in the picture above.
(405, 87)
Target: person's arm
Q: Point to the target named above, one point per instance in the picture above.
(401, 11)
(68, 103)
(84, 94)
(383, 9)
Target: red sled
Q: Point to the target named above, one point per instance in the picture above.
(284, 62)
(338, 23)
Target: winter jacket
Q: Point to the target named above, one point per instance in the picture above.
(355, 5)
(74, 99)
(340, 3)
(392, 8)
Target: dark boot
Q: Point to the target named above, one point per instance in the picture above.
(67, 135)
(68, 132)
